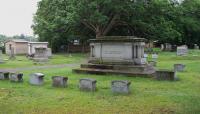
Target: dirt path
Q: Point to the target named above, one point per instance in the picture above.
(39, 67)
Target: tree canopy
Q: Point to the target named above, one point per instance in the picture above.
(57, 21)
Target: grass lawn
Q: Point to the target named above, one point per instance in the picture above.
(22, 61)
(148, 96)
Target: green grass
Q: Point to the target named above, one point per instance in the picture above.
(22, 61)
(148, 96)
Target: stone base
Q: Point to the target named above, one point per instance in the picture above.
(40, 59)
(128, 70)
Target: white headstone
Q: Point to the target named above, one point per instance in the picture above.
(182, 50)
(154, 57)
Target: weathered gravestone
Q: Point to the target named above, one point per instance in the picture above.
(120, 86)
(49, 52)
(165, 75)
(1, 58)
(182, 50)
(153, 63)
(59, 81)
(41, 55)
(196, 46)
(16, 77)
(12, 54)
(87, 84)
(154, 57)
(36, 79)
(4, 75)
(166, 47)
(122, 55)
(179, 67)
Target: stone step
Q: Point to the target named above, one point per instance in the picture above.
(112, 72)
(138, 68)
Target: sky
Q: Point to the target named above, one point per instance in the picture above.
(16, 16)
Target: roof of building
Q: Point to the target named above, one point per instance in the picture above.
(17, 40)
(38, 42)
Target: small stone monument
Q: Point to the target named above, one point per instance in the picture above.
(49, 52)
(4, 75)
(154, 57)
(166, 75)
(120, 86)
(182, 50)
(87, 84)
(179, 67)
(196, 46)
(1, 58)
(167, 47)
(36, 79)
(16, 77)
(41, 54)
(59, 81)
(12, 54)
(162, 47)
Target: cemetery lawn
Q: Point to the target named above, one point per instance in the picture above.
(21, 60)
(148, 96)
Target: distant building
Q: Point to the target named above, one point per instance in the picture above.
(19, 46)
(23, 46)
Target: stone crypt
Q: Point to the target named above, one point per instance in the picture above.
(117, 55)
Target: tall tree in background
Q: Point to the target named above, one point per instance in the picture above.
(57, 21)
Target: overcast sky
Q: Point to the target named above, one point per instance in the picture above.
(16, 16)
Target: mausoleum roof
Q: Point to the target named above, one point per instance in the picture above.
(118, 39)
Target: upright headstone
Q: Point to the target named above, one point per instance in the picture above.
(182, 50)
(12, 54)
(16, 77)
(1, 57)
(162, 47)
(36, 79)
(179, 67)
(87, 84)
(49, 52)
(168, 47)
(120, 86)
(59, 81)
(154, 57)
(196, 46)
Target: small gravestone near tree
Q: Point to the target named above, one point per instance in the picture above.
(182, 50)
(196, 46)
(1, 58)
(12, 54)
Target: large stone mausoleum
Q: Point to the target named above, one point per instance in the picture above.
(117, 55)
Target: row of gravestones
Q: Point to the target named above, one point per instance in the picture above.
(86, 84)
